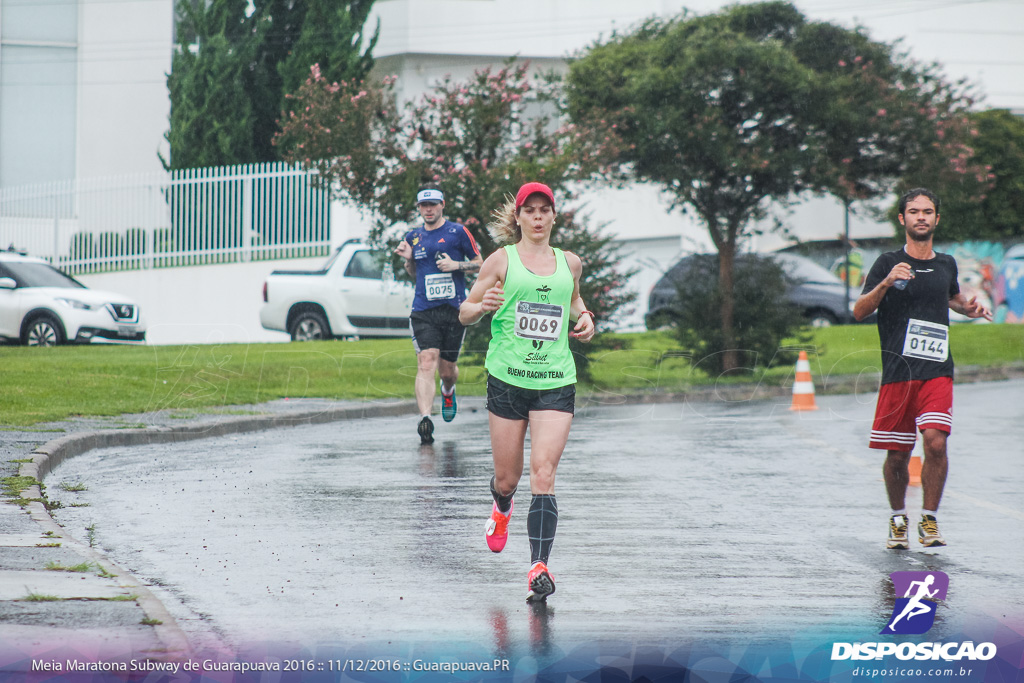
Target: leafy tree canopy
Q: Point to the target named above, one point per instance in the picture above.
(732, 111)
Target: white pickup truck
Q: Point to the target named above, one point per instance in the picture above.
(351, 296)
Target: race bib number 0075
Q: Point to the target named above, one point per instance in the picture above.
(926, 340)
(439, 286)
(538, 321)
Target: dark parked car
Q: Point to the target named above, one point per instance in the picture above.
(819, 294)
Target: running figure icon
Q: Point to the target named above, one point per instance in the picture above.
(916, 609)
(915, 606)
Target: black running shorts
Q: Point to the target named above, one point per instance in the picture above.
(438, 328)
(515, 403)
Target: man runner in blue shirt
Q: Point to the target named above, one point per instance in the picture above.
(437, 254)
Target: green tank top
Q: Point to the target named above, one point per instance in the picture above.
(530, 332)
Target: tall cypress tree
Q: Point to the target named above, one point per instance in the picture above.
(231, 71)
(281, 23)
(211, 113)
(331, 35)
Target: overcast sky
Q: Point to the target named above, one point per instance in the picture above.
(982, 40)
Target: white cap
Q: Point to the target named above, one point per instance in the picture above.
(429, 196)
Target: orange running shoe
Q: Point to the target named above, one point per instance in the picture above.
(540, 582)
(497, 529)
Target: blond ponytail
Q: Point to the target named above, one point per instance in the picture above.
(504, 228)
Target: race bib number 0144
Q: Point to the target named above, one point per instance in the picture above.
(538, 321)
(439, 286)
(926, 340)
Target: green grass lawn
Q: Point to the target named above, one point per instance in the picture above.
(40, 385)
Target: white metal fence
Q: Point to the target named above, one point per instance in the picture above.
(189, 217)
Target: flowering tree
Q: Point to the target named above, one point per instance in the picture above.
(998, 213)
(883, 120)
(479, 140)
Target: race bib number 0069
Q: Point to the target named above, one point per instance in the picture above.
(439, 286)
(538, 321)
(926, 340)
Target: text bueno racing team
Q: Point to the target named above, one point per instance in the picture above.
(438, 254)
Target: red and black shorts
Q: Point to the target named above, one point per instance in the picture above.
(904, 408)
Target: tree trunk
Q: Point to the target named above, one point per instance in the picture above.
(726, 262)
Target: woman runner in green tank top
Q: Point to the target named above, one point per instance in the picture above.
(534, 292)
(530, 332)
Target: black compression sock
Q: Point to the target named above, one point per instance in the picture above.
(504, 502)
(541, 523)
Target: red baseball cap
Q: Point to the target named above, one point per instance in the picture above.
(534, 188)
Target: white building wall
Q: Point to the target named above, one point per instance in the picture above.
(124, 54)
(82, 88)
(528, 29)
(419, 73)
(38, 88)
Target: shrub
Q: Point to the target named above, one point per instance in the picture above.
(110, 244)
(762, 317)
(81, 246)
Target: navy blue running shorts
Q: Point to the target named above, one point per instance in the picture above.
(515, 403)
(438, 328)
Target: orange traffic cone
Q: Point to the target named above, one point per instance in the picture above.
(915, 465)
(803, 386)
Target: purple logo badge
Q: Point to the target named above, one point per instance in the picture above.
(917, 595)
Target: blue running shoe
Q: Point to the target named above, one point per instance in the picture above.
(448, 406)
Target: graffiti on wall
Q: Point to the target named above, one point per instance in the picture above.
(995, 274)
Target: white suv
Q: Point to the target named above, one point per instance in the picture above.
(41, 306)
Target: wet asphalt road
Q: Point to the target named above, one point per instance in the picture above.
(696, 523)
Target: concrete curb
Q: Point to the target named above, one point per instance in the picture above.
(50, 455)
